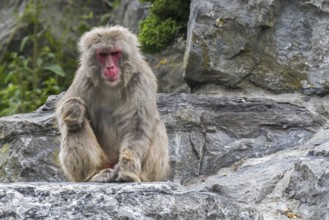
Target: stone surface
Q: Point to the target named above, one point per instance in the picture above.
(309, 185)
(279, 46)
(29, 148)
(231, 158)
(273, 184)
(168, 68)
(129, 14)
(8, 12)
(115, 201)
(206, 134)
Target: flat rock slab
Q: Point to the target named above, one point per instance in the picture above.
(115, 201)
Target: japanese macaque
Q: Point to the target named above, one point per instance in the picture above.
(109, 120)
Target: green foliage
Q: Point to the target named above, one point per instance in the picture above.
(34, 71)
(44, 61)
(41, 63)
(166, 21)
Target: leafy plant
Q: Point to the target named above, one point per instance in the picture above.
(43, 62)
(166, 21)
(31, 73)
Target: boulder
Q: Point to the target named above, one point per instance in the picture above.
(277, 46)
(231, 158)
(206, 133)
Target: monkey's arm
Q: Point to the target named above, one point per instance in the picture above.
(139, 140)
(71, 112)
(80, 154)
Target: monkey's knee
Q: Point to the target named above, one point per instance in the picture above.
(73, 112)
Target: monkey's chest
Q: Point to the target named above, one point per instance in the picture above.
(109, 132)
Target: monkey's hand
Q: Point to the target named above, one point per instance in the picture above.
(73, 113)
(104, 176)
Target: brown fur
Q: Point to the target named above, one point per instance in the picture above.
(108, 122)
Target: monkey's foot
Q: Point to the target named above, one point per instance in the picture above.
(127, 177)
(104, 176)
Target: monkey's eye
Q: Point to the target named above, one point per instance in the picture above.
(115, 53)
(102, 54)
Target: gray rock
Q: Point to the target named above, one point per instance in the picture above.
(309, 185)
(29, 148)
(274, 184)
(279, 46)
(9, 10)
(321, 150)
(227, 155)
(129, 14)
(115, 201)
(168, 68)
(206, 134)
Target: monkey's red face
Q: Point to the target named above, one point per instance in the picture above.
(109, 60)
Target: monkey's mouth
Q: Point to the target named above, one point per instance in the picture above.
(111, 76)
(112, 81)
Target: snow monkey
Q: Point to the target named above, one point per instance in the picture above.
(109, 121)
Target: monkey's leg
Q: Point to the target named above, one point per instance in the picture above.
(80, 154)
(156, 163)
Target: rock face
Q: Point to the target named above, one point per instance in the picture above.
(129, 14)
(231, 158)
(9, 19)
(29, 147)
(278, 46)
(168, 68)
